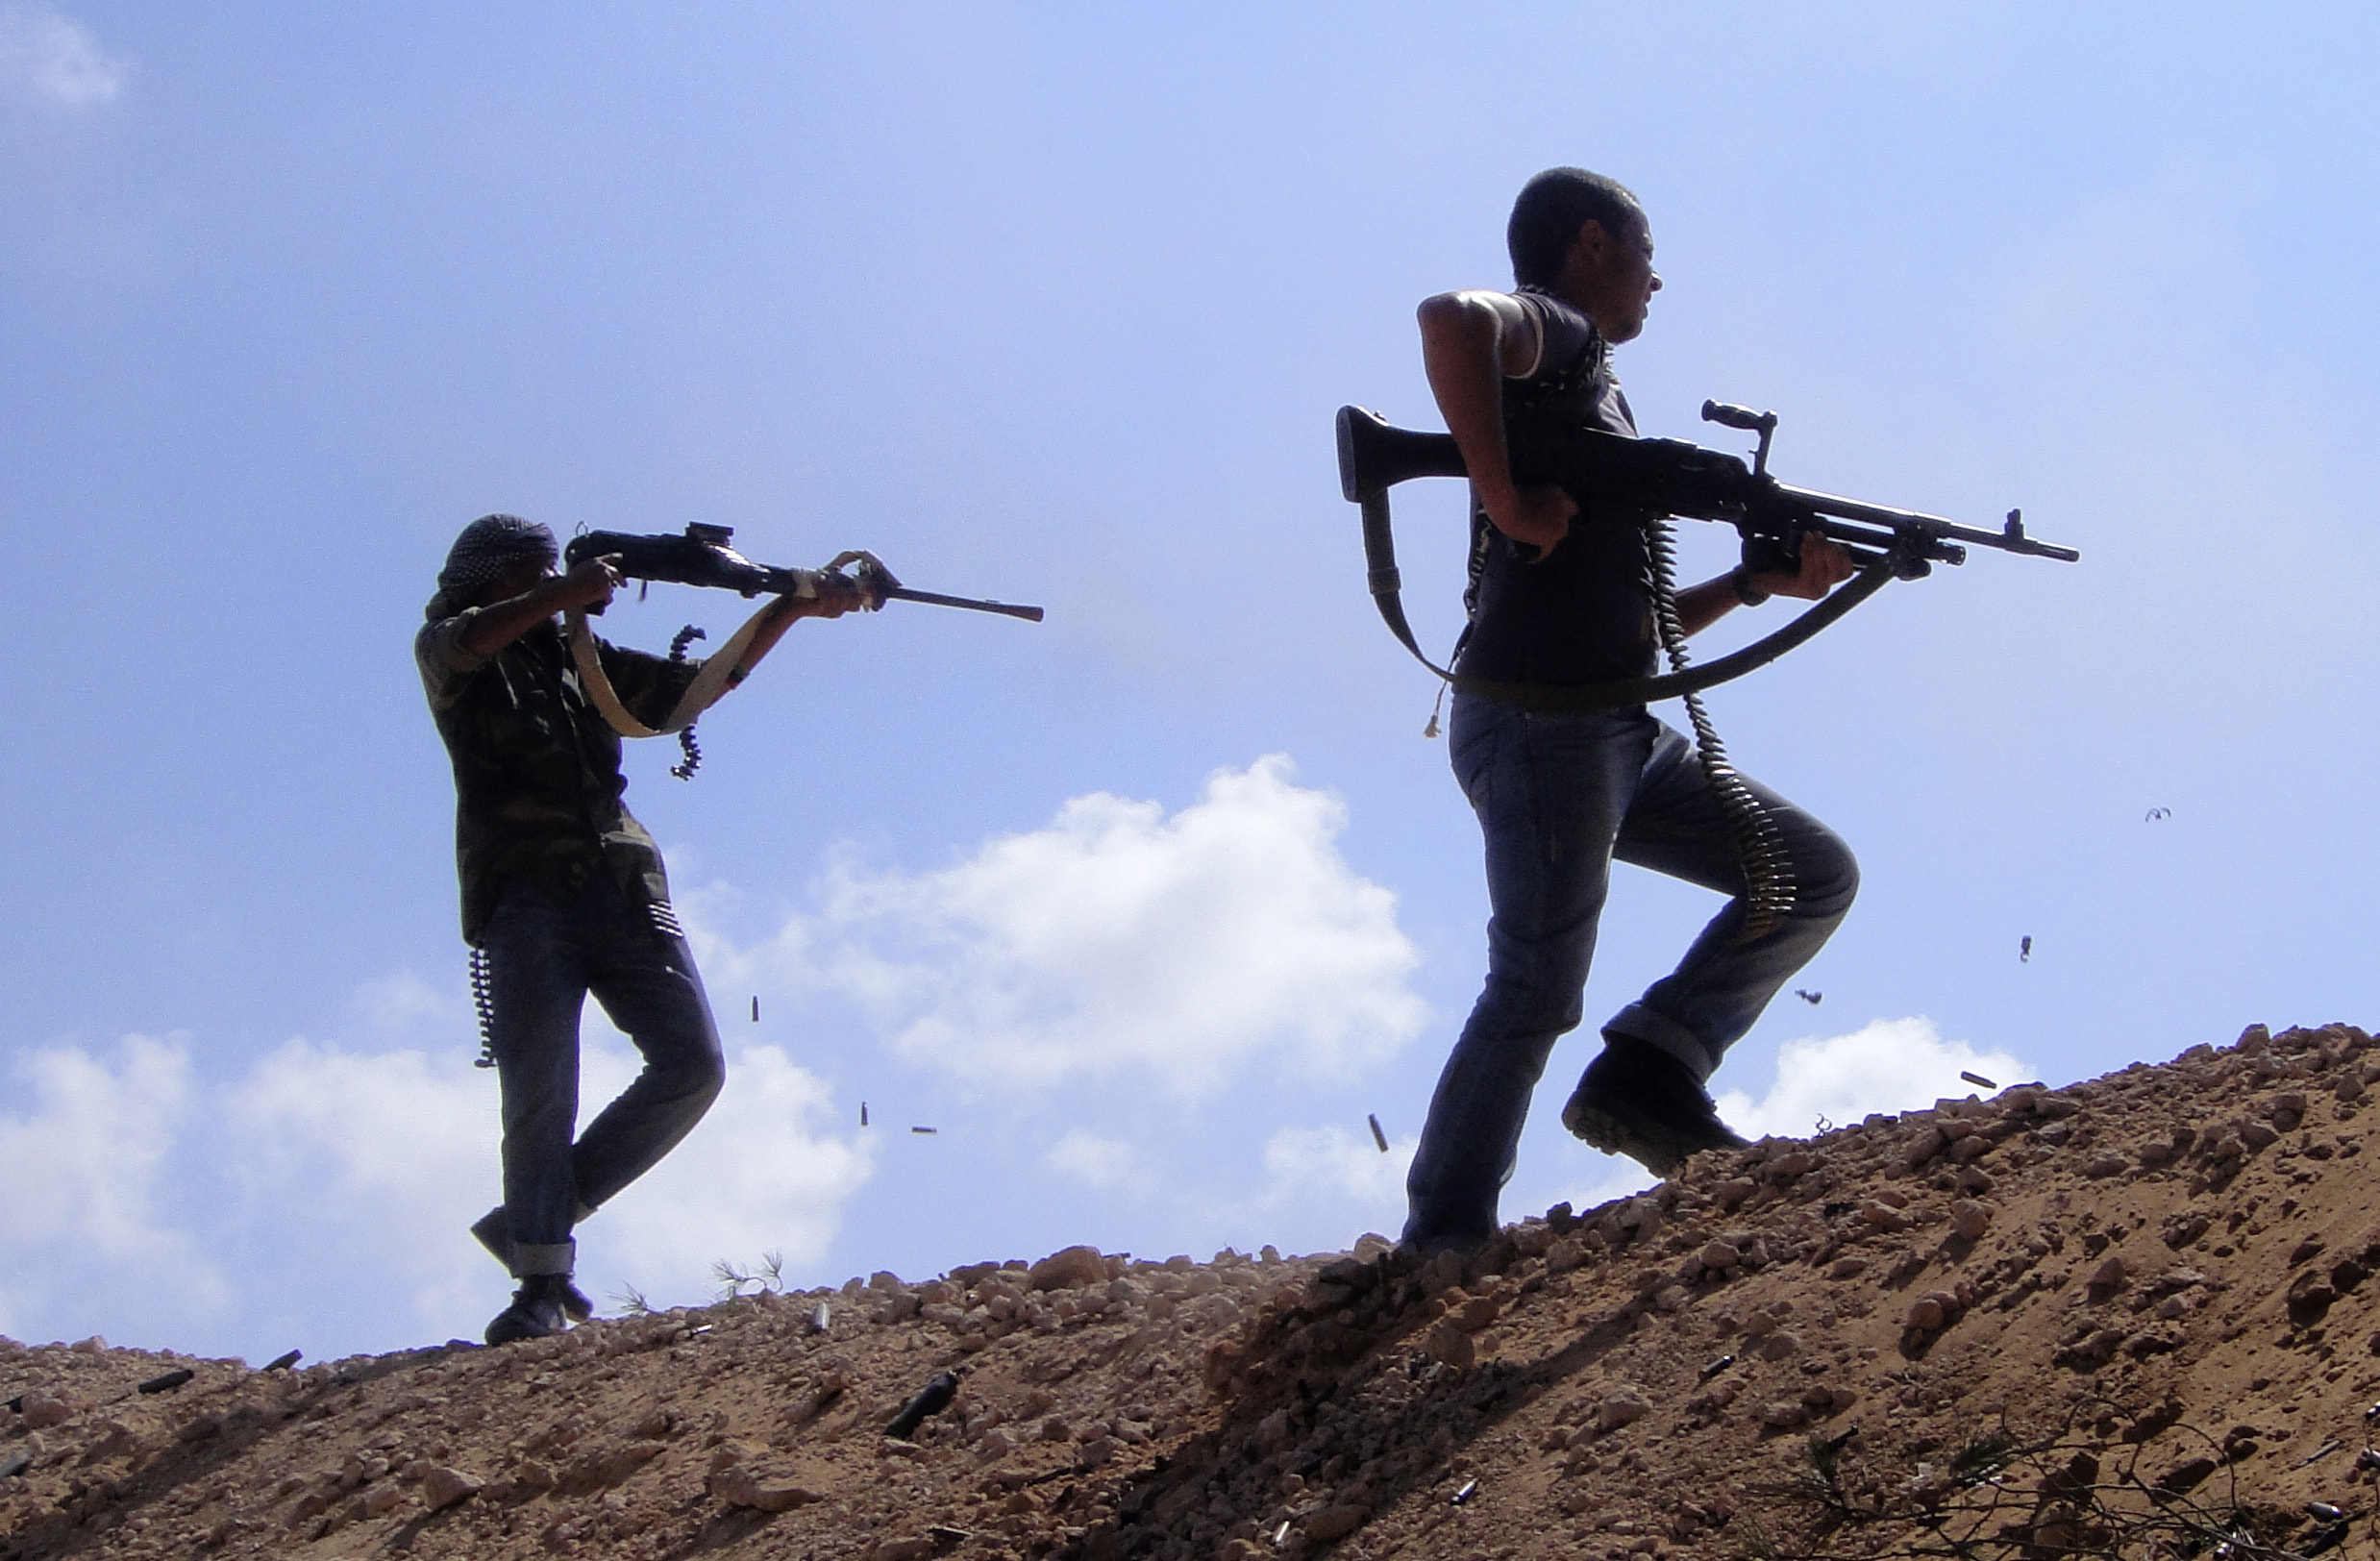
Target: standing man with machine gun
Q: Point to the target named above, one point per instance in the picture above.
(1569, 589)
(563, 892)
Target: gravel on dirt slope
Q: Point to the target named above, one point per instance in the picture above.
(2129, 1317)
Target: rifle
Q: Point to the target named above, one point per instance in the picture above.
(701, 557)
(1668, 477)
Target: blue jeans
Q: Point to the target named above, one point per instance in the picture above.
(1560, 798)
(546, 951)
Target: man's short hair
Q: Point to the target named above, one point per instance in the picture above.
(1552, 209)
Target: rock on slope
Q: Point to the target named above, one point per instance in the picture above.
(2126, 1314)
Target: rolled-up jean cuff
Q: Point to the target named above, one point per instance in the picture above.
(557, 1257)
(1657, 1029)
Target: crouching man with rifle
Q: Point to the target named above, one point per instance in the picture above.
(1570, 588)
(563, 892)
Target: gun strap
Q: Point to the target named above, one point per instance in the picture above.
(708, 685)
(1380, 562)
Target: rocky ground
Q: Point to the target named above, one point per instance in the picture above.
(2128, 1317)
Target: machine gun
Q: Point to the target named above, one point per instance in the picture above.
(1668, 477)
(700, 556)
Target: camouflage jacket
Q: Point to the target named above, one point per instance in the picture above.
(537, 777)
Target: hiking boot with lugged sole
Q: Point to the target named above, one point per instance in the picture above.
(1638, 1100)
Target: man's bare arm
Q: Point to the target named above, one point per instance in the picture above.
(837, 594)
(589, 583)
(1469, 342)
(1824, 565)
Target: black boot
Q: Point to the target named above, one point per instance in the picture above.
(536, 1311)
(1637, 1099)
(494, 1234)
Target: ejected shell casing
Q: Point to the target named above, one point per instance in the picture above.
(934, 1397)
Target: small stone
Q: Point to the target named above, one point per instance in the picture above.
(1970, 1219)
(1564, 1255)
(914, 1549)
(740, 1487)
(1071, 1269)
(1719, 1255)
(43, 1410)
(599, 1470)
(1626, 1407)
(1334, 1522)
(442, 1487)
(1925, 1315)
(1477, 1313)
(2108, 1276)
(92, 1346)
(1882, 1216)
(2105, 1165)
(1784, 1416)
(382, 1499)
(1449, 1344)
(1847, 1268)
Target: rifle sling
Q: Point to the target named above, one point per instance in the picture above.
(701, 695)
(1380, 561)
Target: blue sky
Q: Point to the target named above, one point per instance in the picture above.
(1054, 304)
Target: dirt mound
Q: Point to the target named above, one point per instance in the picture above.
(2129, 1317)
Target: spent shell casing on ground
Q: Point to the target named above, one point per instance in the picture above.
(931, 1399)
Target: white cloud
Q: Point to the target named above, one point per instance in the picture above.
(1312, 1164)
(1188, 947)
(759, 1175)
(381, 1158)
(83, 1171)
(1224, 942)
(1890, 1065)
(371, 1165)
(53, 61)
(1103, 1162)
(394, 1154)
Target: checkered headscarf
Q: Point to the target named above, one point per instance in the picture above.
(487, 547)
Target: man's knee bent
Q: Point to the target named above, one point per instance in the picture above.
(694, 1080)
(1827, 876)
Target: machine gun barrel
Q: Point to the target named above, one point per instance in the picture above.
(2010, 538)
(972, 603)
